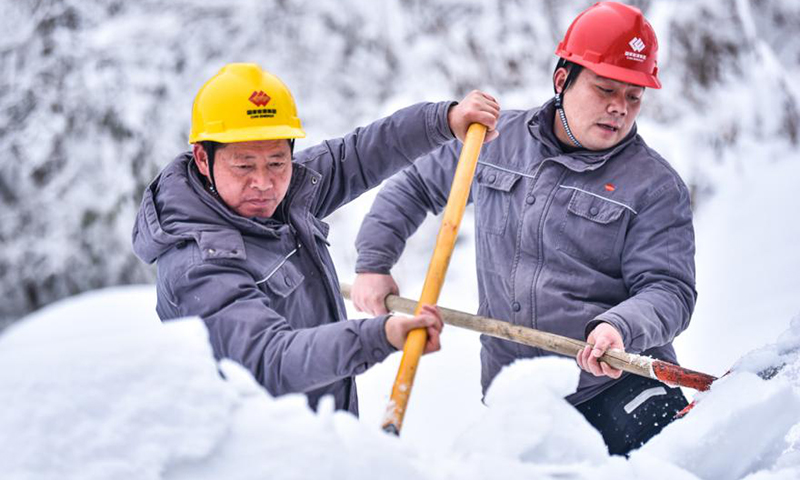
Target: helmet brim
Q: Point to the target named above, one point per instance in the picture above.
(622, 74)
(277, 132)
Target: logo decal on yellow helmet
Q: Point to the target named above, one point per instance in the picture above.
(260, 98)
(223, 108)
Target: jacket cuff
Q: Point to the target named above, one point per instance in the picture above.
(615, 321)
(373, 263)
(436, 123)
(373, 339)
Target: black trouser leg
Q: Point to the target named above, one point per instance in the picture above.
(632, 412)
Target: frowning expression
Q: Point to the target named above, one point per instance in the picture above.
(252, 178)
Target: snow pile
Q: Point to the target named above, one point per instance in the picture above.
(549, 432)
(95, 387)
(749, 422)
(100, 395)
(742, 427)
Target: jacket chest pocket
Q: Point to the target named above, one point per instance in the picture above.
(493, 199)
(282, 279)
(591, 227)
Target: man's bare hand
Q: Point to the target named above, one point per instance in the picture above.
(370, 290)
(604, 336)
(476, 107)
(397, 328)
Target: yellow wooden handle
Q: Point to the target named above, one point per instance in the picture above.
(445, 241)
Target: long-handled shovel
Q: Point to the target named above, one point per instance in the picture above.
(416, 339)
(665, 372)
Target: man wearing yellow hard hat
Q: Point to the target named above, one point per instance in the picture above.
(236, 228)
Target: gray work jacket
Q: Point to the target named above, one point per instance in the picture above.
(267, 289)
(564, 239)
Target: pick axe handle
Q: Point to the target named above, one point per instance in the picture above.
(648, 367)
(445, 241)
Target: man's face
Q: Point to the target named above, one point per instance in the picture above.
(600, 111)
(251, 177)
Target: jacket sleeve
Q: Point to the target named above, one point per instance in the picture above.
(402, 205)
(658, 270)
(244, 328)
(351, 165)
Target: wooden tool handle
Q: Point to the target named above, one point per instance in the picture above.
(668, 373)
(434, 279)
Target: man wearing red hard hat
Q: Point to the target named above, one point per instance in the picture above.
(581, 228)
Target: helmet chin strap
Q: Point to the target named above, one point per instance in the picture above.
(563, 116)
(211, 153)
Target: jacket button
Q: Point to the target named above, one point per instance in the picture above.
(313, 180)
(593, 211)
(181, 245)
(287, 281)
(530, 200)
(516, 306)
(211, 251)
(491, 178)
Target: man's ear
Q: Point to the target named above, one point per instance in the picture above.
(201, 159)
(559, 78)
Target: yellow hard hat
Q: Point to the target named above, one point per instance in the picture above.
(243, 103)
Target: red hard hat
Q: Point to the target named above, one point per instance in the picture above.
(614, 41)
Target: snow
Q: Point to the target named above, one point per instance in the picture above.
(91, 391)
(528, 420)
(95, 387)
(738, 429)
(747, 263)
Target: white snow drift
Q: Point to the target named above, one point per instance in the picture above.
(96, 388)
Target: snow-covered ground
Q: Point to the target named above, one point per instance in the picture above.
(95, 387)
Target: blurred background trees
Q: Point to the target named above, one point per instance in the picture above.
(95, 98)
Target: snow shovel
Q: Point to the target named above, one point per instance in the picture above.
(445, 241)
(665, 372)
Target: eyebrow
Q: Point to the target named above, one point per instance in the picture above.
(247, 155)
(616, 82)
